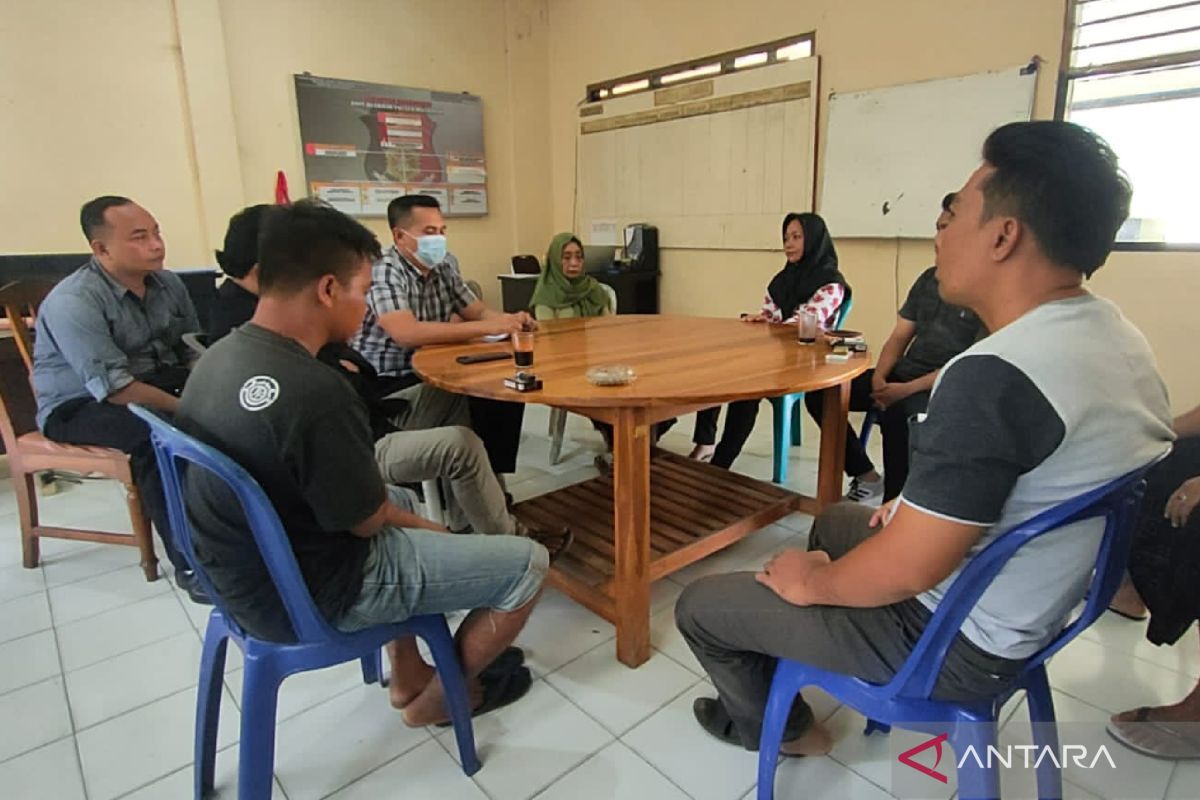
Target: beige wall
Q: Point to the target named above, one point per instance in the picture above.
(862, 44)
(188, 107)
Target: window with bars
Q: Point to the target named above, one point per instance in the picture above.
(759, 55)
(1132, 74)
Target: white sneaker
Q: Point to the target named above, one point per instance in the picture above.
(866, 492)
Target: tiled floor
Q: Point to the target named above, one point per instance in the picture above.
(98, 675)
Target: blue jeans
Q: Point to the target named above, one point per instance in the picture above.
(413, 571)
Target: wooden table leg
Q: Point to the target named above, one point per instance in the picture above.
(834, 413)
(631, 535)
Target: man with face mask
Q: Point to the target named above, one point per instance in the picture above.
(418, 297)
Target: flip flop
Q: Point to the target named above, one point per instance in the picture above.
(509, 659)
(1165, 740)
(557, 542)
(499, 692)
(1130, 617)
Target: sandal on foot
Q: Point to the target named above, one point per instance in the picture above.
(1175, 741)
(556, 541)
(509, 659)
(500, 692)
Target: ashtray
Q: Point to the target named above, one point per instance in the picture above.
(615, 375)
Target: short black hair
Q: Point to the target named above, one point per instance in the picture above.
(1064, 183)
(91, 216)
(241, 241)
(306, 240)
(400, 209)
(948, 201)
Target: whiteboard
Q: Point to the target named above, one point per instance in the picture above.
(893, 153)
(713, 164)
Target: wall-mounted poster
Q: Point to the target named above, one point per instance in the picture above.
(366, 143)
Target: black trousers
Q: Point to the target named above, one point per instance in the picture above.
(893, 426)
(739, 422)
(103, 424)
(498, 424)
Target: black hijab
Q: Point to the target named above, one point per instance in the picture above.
(793, 285)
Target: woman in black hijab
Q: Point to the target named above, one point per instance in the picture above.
(809, 281)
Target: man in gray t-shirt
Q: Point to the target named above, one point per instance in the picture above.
(1060, 399)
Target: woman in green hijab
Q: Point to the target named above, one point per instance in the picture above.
(563, 290)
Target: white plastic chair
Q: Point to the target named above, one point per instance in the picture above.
(558, 416)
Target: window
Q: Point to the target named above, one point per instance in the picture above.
(760, 55)
(1133, 76)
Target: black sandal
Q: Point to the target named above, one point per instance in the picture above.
(500, 691)
(557, 542)
(509, 659)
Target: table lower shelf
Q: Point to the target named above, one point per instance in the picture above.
(695, 509)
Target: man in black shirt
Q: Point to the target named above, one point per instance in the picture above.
(261, 396)
(928, 333)
(237, 295)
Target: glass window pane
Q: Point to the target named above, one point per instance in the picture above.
(797, 50)
(1145, 48)
(1164, 167)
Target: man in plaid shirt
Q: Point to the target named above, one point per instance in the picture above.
(418, 297)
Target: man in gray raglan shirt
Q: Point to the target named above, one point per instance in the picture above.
(1062, 398)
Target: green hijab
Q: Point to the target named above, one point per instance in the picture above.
(556, 290)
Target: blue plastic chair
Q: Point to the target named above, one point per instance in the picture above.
(787, 410)
(318, 644)
(906, 698)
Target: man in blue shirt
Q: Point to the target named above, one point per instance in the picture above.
(108, 335)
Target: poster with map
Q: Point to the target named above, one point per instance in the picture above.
(367, 143)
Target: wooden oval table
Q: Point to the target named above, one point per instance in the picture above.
(667, 511)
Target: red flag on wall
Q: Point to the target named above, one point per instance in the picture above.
(281, 189)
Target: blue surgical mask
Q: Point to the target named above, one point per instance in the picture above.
(431, 249)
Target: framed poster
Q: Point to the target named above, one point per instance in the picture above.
(367, 143)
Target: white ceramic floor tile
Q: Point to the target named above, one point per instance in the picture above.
(1185, 783)
(615, 772)
(304, 690)
(178, 785)
(135, 749)
(27, 660)
(87, 562)
(667, 639)
(749, 553)
(133, 679)
(705, 768)
(1130, 637)
(872, 756)
(311, 762)
(24, 615)
(528, 745)
(50, 772)
(42, 708)
(92, 596)
(425, 771)
(663, 594)
(18, 582)
(613, 694)
(560, 629)
(120, 630)
(1136, 776)
(1114, 680)
(823, 777)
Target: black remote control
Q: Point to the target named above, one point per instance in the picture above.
(479, 358)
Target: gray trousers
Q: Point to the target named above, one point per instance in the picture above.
(739, 628)
(455, 455)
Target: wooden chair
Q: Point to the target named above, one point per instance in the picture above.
(30, 452)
